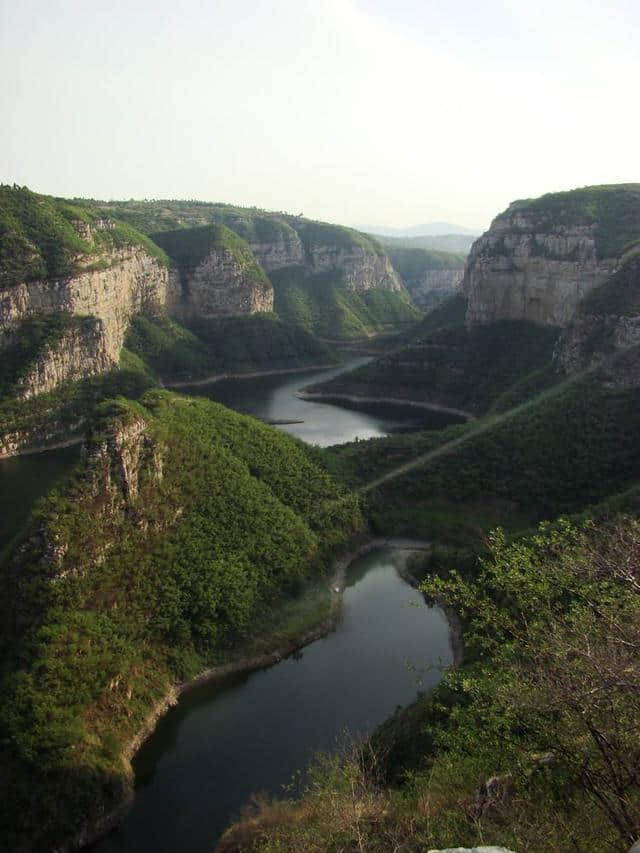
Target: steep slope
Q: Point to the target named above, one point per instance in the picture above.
(606, 322)
(332, 280)
(174, 539)
(58, 258)
(218, 272)
(430, 276)
(446, 364)
(542, 256)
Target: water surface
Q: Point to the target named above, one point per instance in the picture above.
(223, 742)
(24, 479)
(274, 398)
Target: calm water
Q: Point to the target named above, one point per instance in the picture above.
(274, 398)
(24, 479)
(221, 743)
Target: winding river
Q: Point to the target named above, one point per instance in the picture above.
(259, 731)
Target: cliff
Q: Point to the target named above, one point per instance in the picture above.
(605, 327)
(541, 257)
(429, 276)
(181, 527)
(218, 272)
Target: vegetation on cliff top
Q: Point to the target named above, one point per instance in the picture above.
(187, 248)
(184, 521)
(223, 344)
(321, 304)
(412, 264)
(44, 237)
(614, 210)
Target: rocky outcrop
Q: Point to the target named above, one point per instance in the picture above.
(284, 251)
(434, 286)
(224, 284)
(605, 327)
(133, 282)
(527, 268)
(362, 269)
(119, 458)
(81, 351)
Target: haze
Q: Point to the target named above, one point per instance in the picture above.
(352, 111)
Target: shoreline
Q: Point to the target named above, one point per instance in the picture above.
(219, 377)
(29, 451)
(111, 819)
(393, 401)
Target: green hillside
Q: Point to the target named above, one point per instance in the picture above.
(160, 568)
(448, 364)
(322, 304)
(45, 237)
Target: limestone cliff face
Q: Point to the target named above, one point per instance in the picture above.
(605, 327)
(119, 459)
(80, 352)
(133, 283)
(525, 268)
(285, 251)
(362, 270)
(224, 284)
(434, 286)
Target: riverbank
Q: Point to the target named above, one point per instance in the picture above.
(330, 397)
(219, 377)
(288, 635)
(29, 451)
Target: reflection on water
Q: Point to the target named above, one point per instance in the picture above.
(24, 479)
(274, 398)
(223, 742)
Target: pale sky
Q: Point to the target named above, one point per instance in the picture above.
(390, 112)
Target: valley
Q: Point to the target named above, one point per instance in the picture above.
(250, 399)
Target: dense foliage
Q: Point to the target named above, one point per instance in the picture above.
(187, 248)
(456, 366)
(321, 304)
(183, 524)
(533, 744)
(44, 237)
(412, 264)
(216, 344)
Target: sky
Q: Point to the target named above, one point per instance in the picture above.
(387, 112)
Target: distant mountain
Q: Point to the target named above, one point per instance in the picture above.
(431, 229)
(456, 243)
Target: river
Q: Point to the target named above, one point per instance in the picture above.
(257, 732)
(274, 398)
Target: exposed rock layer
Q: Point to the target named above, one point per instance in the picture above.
(133, 283)
(80, 352)
(522, 269)
(434, 286)
(222, 284)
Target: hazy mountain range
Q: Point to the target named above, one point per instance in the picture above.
(430, 229)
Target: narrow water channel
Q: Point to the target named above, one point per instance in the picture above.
(274, 398)
(255, 732)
